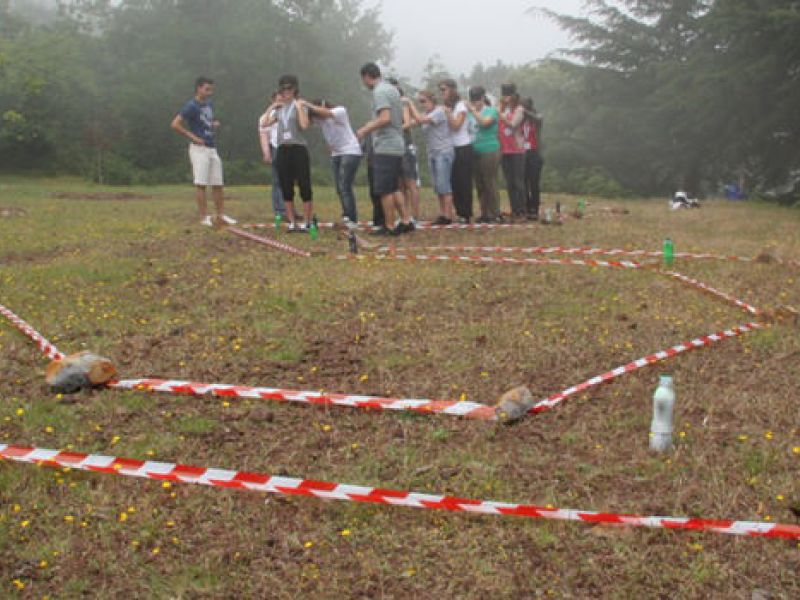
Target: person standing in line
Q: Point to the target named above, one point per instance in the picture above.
(410, 164)
(198, 115)
(458, 118)
(513, 148)
(345, 153)
(441, 152)
(294, 164)
(268, 134)
(386, 129)
(531, 128)
(487, 154)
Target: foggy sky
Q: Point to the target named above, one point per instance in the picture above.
(464, 32)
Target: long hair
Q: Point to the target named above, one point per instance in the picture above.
(428, 95)
(451, 85)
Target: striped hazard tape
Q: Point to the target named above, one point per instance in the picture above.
(45, 346)
(504, 260)
(269, 242)
(465, 409)
(715, 292)
(583, 251)
(256, 482)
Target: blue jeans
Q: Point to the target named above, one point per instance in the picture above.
(441, 171)
(344, 173)
(278, 207)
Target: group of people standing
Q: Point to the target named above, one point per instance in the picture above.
(467, 143)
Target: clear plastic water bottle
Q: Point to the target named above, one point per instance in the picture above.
(669, 252)
(548, 216)
(314, 229)
(278, 221)
(663, 408)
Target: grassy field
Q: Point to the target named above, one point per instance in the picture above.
(140, 281)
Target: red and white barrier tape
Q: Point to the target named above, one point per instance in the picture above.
(364, 225)
(469, 410)
(624, 264)
(223, 478)
(45, 346)
(268, 242)
(559, 250)
(707, 288)
(651, 359)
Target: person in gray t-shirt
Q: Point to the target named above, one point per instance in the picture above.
(386, 129)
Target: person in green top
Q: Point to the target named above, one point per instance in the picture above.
(487, 154)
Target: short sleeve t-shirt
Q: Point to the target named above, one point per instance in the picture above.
(339, 134)
(388, 139)
(486, 139)
(461, 136)
(199, 117)
(437, 132)
(289, 132)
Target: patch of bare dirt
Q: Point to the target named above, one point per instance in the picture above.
(10, 212)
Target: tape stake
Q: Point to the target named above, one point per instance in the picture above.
(256, 482)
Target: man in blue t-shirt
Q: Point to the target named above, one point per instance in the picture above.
(195, 121)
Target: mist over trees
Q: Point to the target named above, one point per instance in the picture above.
(653, 95)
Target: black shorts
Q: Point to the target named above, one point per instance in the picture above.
(410, 168)
(388, 171)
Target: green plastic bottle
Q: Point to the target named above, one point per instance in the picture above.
(278, 221)
(314, 229)
(581, 207)
(669, 252)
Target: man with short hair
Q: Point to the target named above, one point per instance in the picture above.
(195, 121)
(386, 130)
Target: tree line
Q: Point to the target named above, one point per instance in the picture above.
(652, 96)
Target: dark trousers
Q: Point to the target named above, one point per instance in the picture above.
(461, 179)
(514, 172)
(278, 208)
(294, 168)
(378, 218)
(533, 180)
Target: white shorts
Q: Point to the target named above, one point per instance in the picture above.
(206, 165)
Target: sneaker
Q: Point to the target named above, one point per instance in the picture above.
(292, 228)
(228, 220)
(207, 222)
(441, 221)
(399, 230)
(410, 226)
(380, 231)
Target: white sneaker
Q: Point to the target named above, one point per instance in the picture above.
(206, 222)
(228, 220)
(292, 228)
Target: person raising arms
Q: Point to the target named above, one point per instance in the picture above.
(513, 148)
(345, 153)
(268, 136)
(458, 118)
(487, 154)
(294, 164)
(386, 130)
(441, 152)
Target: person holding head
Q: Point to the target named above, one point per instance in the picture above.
(458, 118)
(196, 122)
(441, 152)
(531, 126)
(487, 154)
(268, 136)
(294, 164)
(512, 145)
(345, 153)
(410, 165)
(386, 130)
